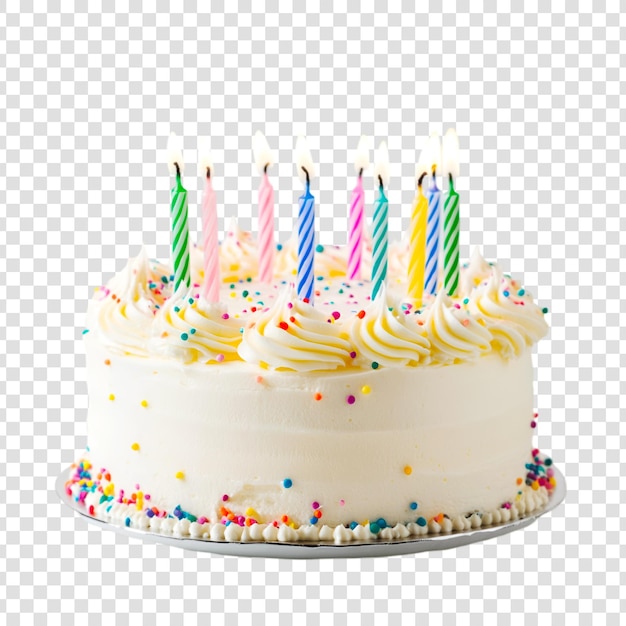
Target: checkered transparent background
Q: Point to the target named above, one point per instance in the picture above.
(87, 100)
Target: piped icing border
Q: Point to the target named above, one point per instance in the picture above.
(97, 493)
(137, 314)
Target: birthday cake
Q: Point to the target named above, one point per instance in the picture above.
(264, 418)
(291, 401)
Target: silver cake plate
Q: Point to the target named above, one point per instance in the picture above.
(321, 550)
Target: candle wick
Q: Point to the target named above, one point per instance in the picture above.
(434, 171)
(208, 172)
(308, 181)
(380, 180)
(265, 168)
(361, 173)
(421, 179)
(450, 178)
(177, 169)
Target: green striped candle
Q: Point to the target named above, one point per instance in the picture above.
(451, 240)
(451, 218)
(179, 215)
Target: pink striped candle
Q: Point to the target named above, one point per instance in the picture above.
(264, 158)
(210, 289)
(355, 233)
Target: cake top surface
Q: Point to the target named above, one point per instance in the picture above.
(137, 313)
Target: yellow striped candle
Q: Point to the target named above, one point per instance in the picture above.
(417, 245)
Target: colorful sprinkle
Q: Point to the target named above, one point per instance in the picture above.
(421, 521)
(111, 396)
(374, 365)
(413, 506)
(336, 315)
(135, 447)
(374, 528)
(361, 314)
(219, 358)
(287, 483)
(319, 248)
(317, 396)
(224, 498)
(107, 362)
(180, 475)
(184, 336)
(144, 403)
(408, 470)
(283, 325)
(350, 399)
(544, 310)
(315, 505)
(353, 355)
(365, 389)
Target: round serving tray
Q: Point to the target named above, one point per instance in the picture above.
(321, 550)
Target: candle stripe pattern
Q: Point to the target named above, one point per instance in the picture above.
(380, 237)
(266, 230)
(432, 238)
(451, 241)
(355, 237)
(211, 284)
(306, 232)
(417, 247)
(180, 235)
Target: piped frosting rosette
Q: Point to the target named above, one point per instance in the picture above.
(454, 334)
(509, 313)
(293, 335)
(192, 329)
(286, 260)
(122, 312)
(331, 261)
(380, 334)
(472, 274)
(238, 255)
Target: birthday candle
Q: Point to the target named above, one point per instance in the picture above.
(355, 234)
(306, 223)
(264, 157)
(179, 215)
(451, 220)
(211, 283)
(434, 217)
(381, 227)
(417, 241)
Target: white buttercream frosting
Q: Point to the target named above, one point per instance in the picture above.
(293, 335)
(192, 329)
(382, 333)
(453, 333)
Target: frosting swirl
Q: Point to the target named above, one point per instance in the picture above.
(331, 261)
(238, 255)
(292, 335)
(509, 312)
(123, 311)
(473, 273)
(453, 333)
(380, 334)
(193, 329)
(286, 260)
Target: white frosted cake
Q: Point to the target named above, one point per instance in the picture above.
(264, 418)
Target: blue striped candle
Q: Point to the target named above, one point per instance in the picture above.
(380, 237)
(306, 238)
(432, 236)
